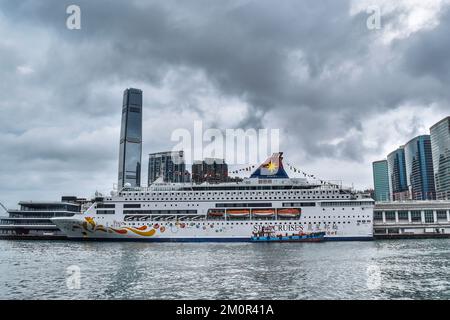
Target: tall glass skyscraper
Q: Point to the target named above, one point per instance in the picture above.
(397, 174)
(381, 180)
(419, 168)
(440, 147)
(169, 165)
(131, 139)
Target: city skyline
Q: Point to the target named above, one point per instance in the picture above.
(338, 105)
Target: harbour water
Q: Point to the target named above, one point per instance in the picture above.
(396, 269)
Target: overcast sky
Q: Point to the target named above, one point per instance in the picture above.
(343, 95)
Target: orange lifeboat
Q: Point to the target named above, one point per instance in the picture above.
(289, 212)
(238, 212)
(216, 213)
(263, 212)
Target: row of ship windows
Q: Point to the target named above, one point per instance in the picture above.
(343, 217)
(186, 194)
(232, 198)
(126, 211)
(260, 223)
(323, 209)
(188, 205)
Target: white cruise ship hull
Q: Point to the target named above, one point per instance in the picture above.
(86, 228)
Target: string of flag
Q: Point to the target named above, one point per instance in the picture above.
(291, 167)
(248, 168)
(307, 175)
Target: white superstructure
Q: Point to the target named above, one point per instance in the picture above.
(225, 212)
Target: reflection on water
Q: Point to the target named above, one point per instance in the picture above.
(403, 269)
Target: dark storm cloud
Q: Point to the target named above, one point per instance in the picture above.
(307, 67)
(427, 55)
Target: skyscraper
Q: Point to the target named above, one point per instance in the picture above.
(381, 180)
(169, 165)
(419, 168)
(440, 147)
(397, 174)
(131, 139)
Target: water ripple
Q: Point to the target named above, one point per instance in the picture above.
(409, 269)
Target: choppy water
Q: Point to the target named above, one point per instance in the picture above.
(409, 269)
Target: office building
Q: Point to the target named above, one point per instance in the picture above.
(381, 180)
(169, 165)
(419, 168)
(440, 148)
(397, 174)
(210, 170)
(131, 139)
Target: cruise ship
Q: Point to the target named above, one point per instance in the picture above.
(226, 211)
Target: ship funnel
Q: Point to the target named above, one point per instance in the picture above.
(272, 168)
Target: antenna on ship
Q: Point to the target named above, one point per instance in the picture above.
(4, 208)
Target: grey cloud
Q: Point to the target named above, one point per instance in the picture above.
(307, 67)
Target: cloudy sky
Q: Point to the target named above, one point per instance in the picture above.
(343, 95)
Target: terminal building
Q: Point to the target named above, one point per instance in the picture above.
(32, 219)
(411, 219)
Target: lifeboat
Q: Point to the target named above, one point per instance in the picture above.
(238, 212)
(263, 212)
(216, 213)
(289, 212)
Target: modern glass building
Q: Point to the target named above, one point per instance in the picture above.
(397, 174)
(131, 139)
(440, 148)
(381, 180)
(419, 168)
(170, 165)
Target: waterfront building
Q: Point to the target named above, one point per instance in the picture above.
(397, 174)
(440, 147)
(419, 168)
(381, 180)
(169, 165)
(412, 219)
(32, 219)
(131, 139)
(210, 170)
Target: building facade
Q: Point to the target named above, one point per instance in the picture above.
(381, 180)
(131, 139)
(210, 170)
(440, 147)
(419, 168)
(397, 174)
(169, 165)
(32, 219)
(411, 219)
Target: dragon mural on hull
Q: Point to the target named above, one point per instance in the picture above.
(89, 226)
